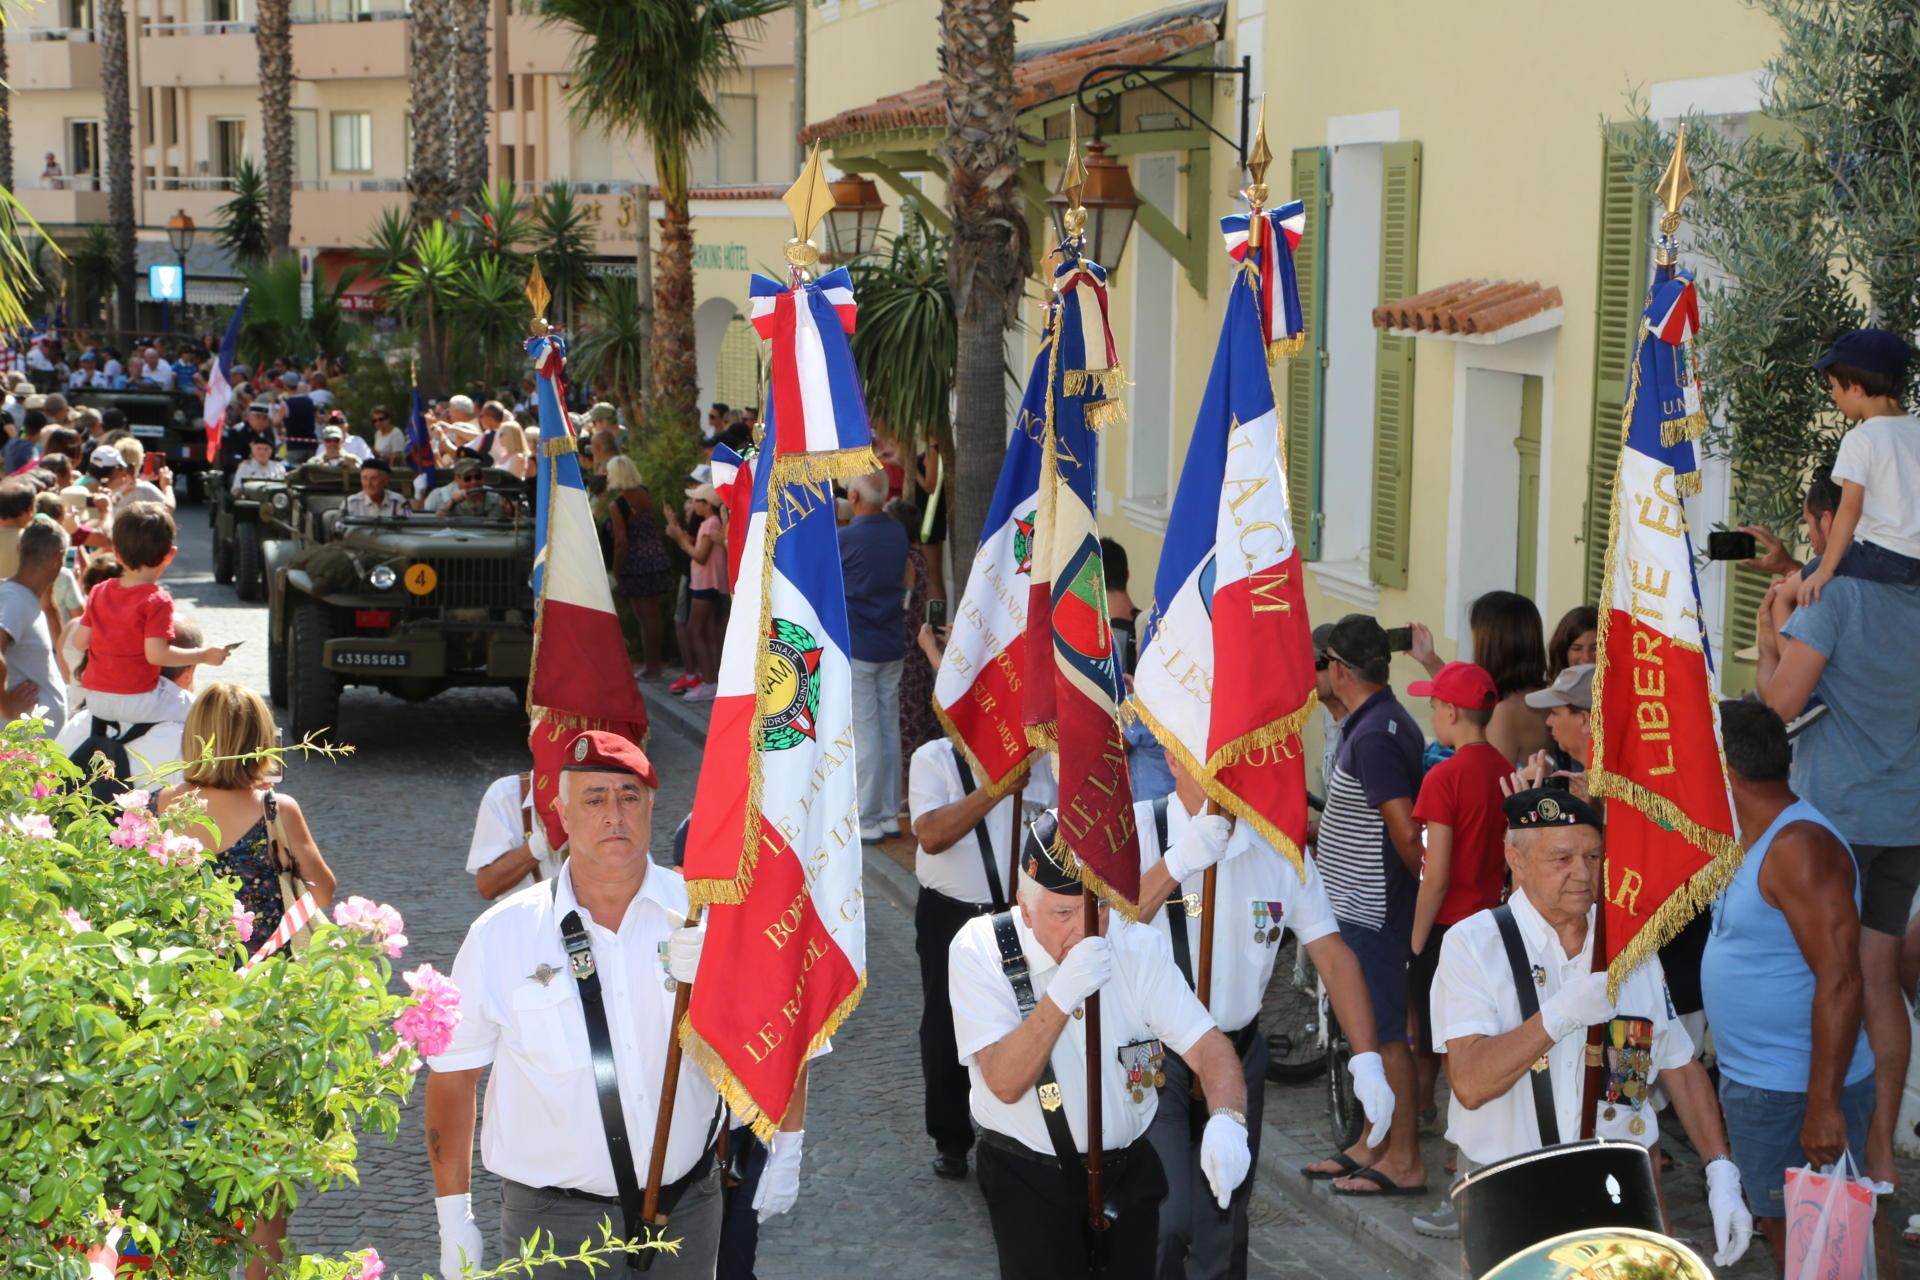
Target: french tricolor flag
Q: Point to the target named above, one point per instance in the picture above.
(219, 388)
(816, 397)
(978, 690)
(733, 481)
(580, 677)
(1225, 678)
(1281, 319)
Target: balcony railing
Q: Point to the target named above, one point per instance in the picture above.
(315, 11)
(67, 182)
(386, 185)
(72, 35)
(189, 182)
(198, 28)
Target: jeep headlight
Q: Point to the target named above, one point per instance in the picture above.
(382, 577)
(281, 502)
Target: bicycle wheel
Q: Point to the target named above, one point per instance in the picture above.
(1291, 1016)
(1344, 1115)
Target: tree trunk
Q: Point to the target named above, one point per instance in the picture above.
(6, 123)
(273, 37)
(676, 377)
(643, 297)
(471, 87)
(431, 99)
(800, 8)
(111, 20)
(990, 256)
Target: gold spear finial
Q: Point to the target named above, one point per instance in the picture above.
(810, 199)
(539, 296)
(1676, 184)
(1259, 158)
(1073, 180)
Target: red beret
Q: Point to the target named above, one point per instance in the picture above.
(597, 751)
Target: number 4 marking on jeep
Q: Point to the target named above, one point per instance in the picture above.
(421, 579)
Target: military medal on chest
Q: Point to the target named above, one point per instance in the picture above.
(1266, 921)
(1144, 1063)
(666, 969)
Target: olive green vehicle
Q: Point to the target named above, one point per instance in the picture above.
(243, 524)
(411, 605)
(164, 422)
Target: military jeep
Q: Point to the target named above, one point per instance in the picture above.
(165, 422)
(243, 524)
(411, 605)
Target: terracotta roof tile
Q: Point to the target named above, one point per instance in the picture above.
(1041, 75)
(1468, 307)
(760, 192)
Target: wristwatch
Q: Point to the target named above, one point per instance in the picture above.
(1238, 1117)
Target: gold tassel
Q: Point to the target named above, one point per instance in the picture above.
(1080, 382)
(1691, 427)
(1090, 880)
(818, 468)
(1689, 485)
(997, 787)
(562, 443)
(1102, 414)
(1286, 347)
(1041, 737)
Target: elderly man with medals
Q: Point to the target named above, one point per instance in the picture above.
(1017, 981)
(1514, 995)
(568, 991)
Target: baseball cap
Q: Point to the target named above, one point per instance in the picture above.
(332, 433)
(106, 458)
(599, 751)
(1358, 640)
(1571, 688)
(76, 495)
(1461, 683)
(704, 493)
(466, 466)
(1869, 350)
(603, 412)
(289, 379)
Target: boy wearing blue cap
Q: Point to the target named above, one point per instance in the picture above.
(1876, 532)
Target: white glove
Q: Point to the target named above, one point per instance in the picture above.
(1575, 1007)
(460, 1245)
(1375, 1094)
(1201, 845)
(1732, 1220)
(780, 1180)
(1224, 1156)
(683, 952)
(1084, 971)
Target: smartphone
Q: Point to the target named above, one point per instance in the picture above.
(150, 465)
(936, 614)
(1731, 544)
(232, 646)
(1558, 782)
(1399, 639)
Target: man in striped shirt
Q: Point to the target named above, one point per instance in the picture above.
(1369, 854)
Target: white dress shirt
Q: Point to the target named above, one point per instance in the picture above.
(271, 469)
(1473, 995)
(502, 824)
(542, 1112)
(392, 506)
(157, 747)
(1146, 999)
(354, 445)
(1247, 931)
(933, 782)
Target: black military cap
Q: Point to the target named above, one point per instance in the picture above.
(1548, 807)
(1045, 859)
(377, 464)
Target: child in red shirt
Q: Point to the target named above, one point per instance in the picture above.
(127, 628)
(1466, 832)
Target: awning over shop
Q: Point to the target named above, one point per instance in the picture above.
(362, 294)
(1477, 311)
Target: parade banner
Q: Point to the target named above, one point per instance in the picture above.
(733, 480)
(420, 454)
(213, 409)
(978, 693)
(1671, 842)
(580, 678)
(774, 852)
(1072, 701)
(1225, 678)
(822, 430)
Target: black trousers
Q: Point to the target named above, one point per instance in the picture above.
(739, 1224)
(1198, 1239)
(1039, 1216)
(936, 919)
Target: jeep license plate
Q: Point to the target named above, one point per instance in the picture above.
(387, 659)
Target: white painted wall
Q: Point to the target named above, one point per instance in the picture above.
(1149, 472)
(1489, 505)
(1353, 289)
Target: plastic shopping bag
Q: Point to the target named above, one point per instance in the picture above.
(1829, 1223)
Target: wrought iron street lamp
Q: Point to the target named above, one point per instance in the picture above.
(853, 225)
(1106, 195)
(180, 233)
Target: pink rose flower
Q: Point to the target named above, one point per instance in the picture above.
(34, 826)
(428, 1023)
(79, 922)
(242, 922)
(379, 922)
(367, 1265)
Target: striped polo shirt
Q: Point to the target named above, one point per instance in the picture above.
(1378, 762)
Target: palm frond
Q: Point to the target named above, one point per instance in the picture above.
(20, 282)
(389, 244)
(242, 229)
(496, 221)
(908, 335)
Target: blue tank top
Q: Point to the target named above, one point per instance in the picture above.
(1757, 987)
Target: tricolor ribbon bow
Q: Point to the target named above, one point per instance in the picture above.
(819, 416)
(1673, 315)
(1081, 283)
(1280, 317)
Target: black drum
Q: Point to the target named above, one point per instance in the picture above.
(1618, 1253)
(1575, 1187)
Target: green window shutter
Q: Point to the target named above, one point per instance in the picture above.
(1620, 296)
(1306, 372)
(1393, 369)
(1746, 588)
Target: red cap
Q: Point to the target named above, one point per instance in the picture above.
(597, 751)
(1461, 683)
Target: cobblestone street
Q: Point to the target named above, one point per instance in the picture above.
(394, 819)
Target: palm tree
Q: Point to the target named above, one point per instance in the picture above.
(612, 348)
(426, 289)
(242, 231)
(655, 66)
(496, 222)
(389, 244)
(490, 308)
(990, 255)
(904, 346)
(563, 246)
(273, 37)
(110, 20)
(436, 193)
(470, 151)
(6, 112)
(95, 263)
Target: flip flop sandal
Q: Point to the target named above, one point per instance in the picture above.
(1386, 1186)
(1349, 1167)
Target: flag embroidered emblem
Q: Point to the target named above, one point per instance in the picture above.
(791, 679)
(1023, 542)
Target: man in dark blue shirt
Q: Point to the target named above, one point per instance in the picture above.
(873, 560)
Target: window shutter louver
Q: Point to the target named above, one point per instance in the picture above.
(1393, 370)
(1619, 297)
(1306, 372)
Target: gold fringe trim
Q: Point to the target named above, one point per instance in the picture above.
(728, 1085)
(1044, 736)
(1691, 427)
(827, 465)
(1286, 347)
(1080, 382)
(1724, 852)
(560, 444)
(1218, 793)
(1102, 414)
(997, 787)
(1090, 880)
(1689, 485)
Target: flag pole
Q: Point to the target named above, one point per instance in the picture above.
(1013, 854)
(669, 1092)
(1672, 190)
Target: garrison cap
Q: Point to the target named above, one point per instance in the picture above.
(599, 751)
(1051, 870)
(1548, 807)
(466, 465)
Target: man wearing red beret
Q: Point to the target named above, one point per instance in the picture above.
(565, 984)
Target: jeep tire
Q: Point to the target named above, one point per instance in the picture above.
(313, 692)
(277, 668)
(222, 557)
(249, 563)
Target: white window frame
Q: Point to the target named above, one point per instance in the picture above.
(364, 130)
(1153, 302)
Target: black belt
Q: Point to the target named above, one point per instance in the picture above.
(1523, 985)
(971, 908)
(1115, 1160)
(669, 1194)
